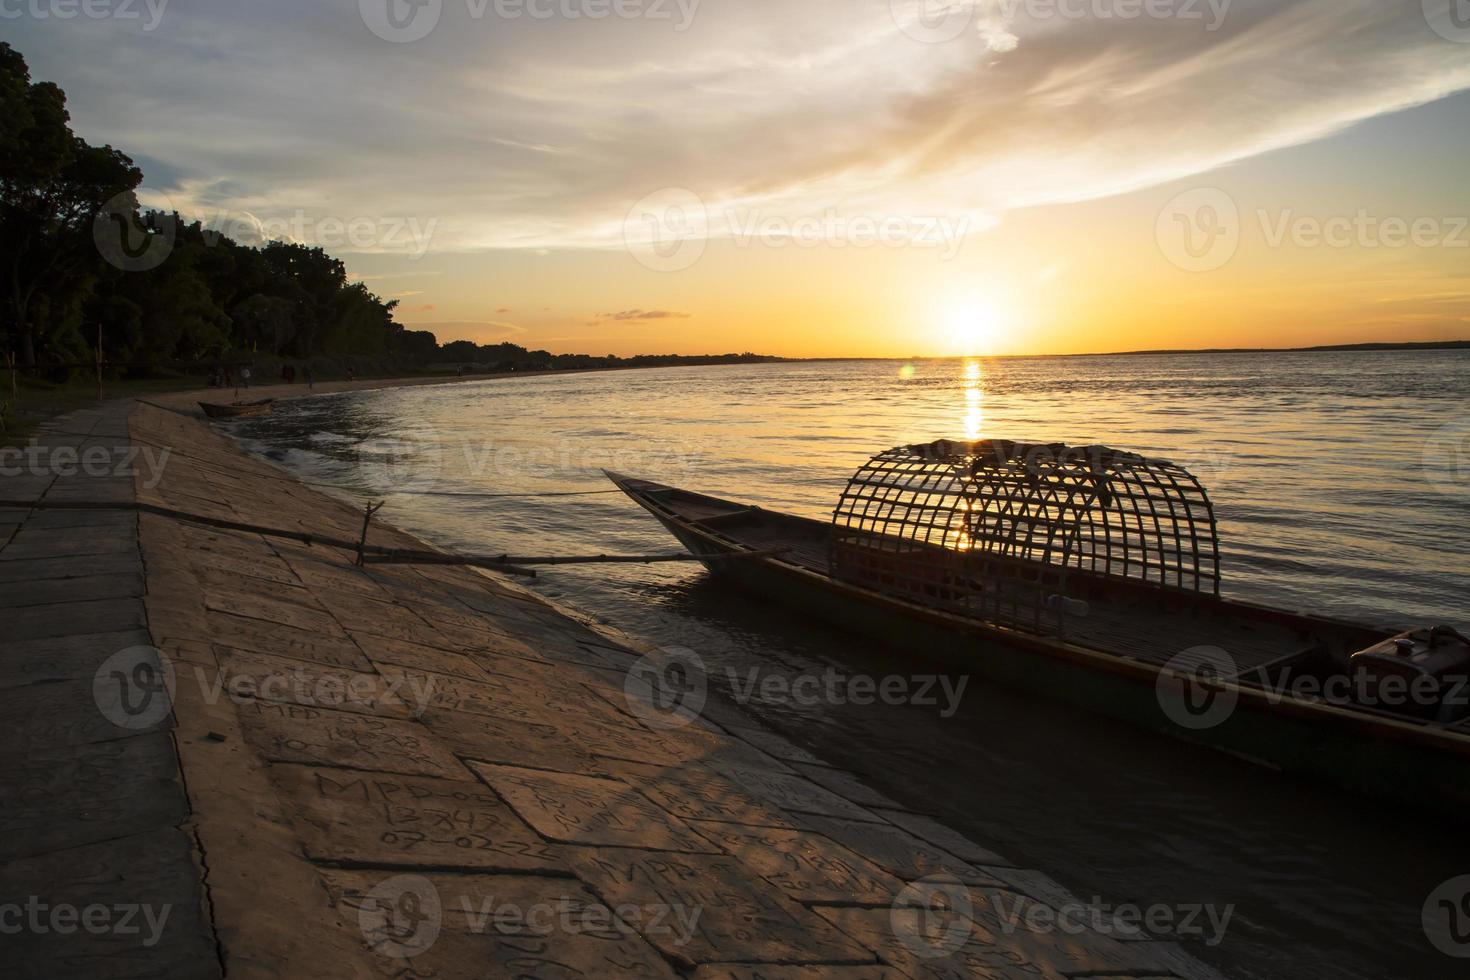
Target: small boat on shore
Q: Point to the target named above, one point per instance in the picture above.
(238, 409)
(1092, 576)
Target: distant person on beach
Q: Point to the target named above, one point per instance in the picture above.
(351, 375)
(245, 376)
(310, 378)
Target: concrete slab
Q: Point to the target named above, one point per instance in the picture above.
(88, 588)
(769, 971)
(808, 867)
(845, 785)
(220, 568)
(58, 658)
(791, 792)
(68, 567)
(275, 612)
(70, 542)
(46, 716)
(283, 641)
(896, 850)
(489, 926)
(932, 831)
(291, 733)
(351, 817)
(244, 673)
(57, 519)
(316, 570)
(71, 618)
(1040, 935)
(415, 656)
(578, 809)
(739, 917)
(693, 792)
(774, 745)
(502, 697)
(131, 907)
(62, 798)
(516, 743)
(925, 944)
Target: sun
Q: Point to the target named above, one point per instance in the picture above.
(976, 324)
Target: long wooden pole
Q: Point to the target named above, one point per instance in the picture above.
(495, 561)
(99, 361)
(367, 519)
(373, 554)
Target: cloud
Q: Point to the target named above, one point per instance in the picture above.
(386, 277)
(478, 330)
(643, 315)
(540, 135)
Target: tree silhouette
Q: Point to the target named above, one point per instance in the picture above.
(75, 252)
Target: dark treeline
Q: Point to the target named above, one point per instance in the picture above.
(513, 357)
(77, 255)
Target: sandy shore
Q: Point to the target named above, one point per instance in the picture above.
(186, 400)
(426, 771)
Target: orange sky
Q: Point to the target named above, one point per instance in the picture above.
(1357, 237)
(823, 178)
(1097, 276)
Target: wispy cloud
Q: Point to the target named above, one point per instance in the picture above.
(542, 134)
(480, 330)
(643, 315)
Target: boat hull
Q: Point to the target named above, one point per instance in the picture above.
(1373, 756)
(216, 411)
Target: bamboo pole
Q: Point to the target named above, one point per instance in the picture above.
(367, 518)
(420, 558)
(374, 554)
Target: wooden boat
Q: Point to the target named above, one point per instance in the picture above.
(1093, 576)
(238, 409)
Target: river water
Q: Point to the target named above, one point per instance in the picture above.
(1342, 486)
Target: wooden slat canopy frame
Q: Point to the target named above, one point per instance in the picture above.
(1011, 506)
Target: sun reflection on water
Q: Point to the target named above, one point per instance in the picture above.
(974, 386)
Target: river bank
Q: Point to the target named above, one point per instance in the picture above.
(1328, 501)
(346, 764)
(35, 403)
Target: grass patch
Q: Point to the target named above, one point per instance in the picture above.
(37, 400)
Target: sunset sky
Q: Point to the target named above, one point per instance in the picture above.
(709, 175)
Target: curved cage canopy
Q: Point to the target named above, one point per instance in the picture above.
(953, 521)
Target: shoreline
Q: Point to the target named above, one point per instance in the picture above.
(283, 391)
(1368, 348)
(339, 742)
